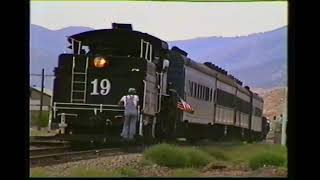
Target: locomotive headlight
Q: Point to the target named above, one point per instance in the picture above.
(100, 62)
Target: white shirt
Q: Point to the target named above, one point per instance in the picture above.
(135, 99)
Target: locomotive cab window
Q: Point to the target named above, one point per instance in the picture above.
(146, 50)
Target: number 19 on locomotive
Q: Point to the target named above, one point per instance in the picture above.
(103, 89)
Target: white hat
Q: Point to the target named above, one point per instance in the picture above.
(132, 90)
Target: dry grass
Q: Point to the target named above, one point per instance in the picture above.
(42, 132)
(38, 172)
(186, 172)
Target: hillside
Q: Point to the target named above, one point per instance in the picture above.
(274, 101)
(259, 60)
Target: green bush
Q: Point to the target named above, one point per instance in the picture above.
(243, 153)
(196, 157)
(173, 156)
(166, 155)
(41, 121)
(285, 164)
(188, 172)
(266, 159)
(217, 154)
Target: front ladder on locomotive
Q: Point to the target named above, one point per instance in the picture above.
(81, 75)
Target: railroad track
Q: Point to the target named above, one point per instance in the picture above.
(55, 155)
(55, 158)
(48, 150)
(42, 143)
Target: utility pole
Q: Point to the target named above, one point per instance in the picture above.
(284, 121)
(283, 131)
(41, 95)
(43, 76)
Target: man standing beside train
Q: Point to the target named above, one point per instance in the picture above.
(130, 103)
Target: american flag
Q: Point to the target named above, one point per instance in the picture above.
(184, 106)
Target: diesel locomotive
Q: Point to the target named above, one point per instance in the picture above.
(104, 64)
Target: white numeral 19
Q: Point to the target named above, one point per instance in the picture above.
(104, 85)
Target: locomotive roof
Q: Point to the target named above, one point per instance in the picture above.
(103, 35)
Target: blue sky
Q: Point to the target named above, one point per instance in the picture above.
(167, 20)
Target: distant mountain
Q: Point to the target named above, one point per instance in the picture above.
(259, 60)
(45, 47)
(52, 40)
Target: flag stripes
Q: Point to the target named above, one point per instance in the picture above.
(184, 106)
